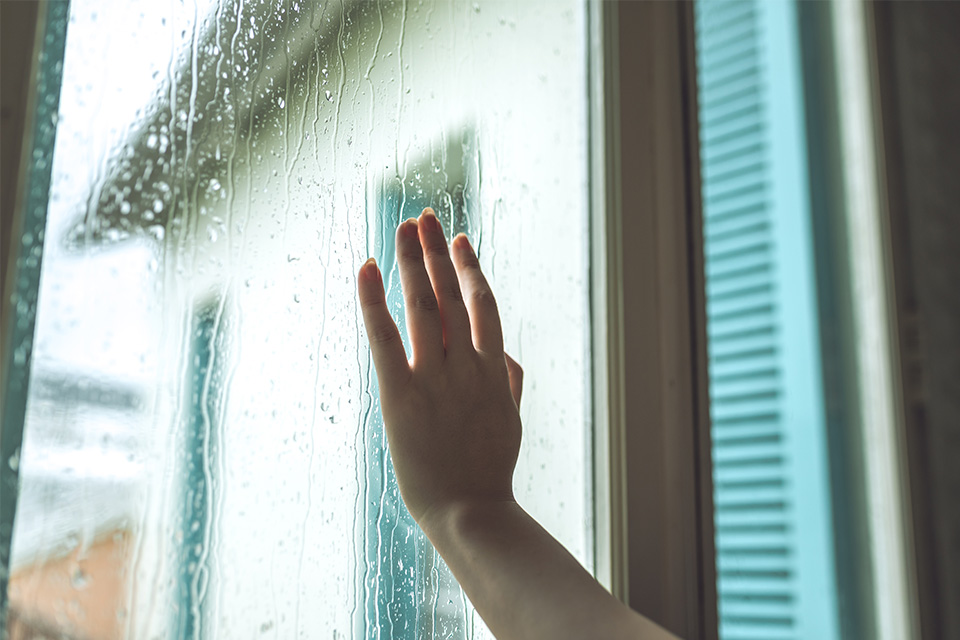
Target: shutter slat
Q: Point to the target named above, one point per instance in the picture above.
(770, 569)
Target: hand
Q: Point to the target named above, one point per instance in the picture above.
(453, 427)
(451, 413)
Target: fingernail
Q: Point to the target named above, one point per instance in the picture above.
(410, 227)
(370, 270)
(431, 219)
(463, 242)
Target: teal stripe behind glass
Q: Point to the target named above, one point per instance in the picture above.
(775, 565)
(25, 288)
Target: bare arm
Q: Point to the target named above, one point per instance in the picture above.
(454, 434)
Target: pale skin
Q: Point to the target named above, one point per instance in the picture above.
(453, 427)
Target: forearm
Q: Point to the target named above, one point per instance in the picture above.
(524, 584)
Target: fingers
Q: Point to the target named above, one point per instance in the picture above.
(482, 307)
(453, 315)
(515, 374)
(423, 312)
(388, 355)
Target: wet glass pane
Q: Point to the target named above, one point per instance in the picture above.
(203, 451)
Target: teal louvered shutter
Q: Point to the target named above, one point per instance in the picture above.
(775, 564)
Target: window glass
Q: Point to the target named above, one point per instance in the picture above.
(203, 452)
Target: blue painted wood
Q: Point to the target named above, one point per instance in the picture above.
(775, 566)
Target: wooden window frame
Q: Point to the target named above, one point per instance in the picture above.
(653, 469)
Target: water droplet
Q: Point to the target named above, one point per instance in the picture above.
(280, 102)
(329, 95)
(14, 461)
(152, 140)
(124, 207)
(79, 579)
(158, 205)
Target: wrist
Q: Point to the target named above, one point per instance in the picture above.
(458, 517)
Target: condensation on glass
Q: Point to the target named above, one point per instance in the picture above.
(203, 451)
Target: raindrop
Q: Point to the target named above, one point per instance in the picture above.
(152, 141)
(329, 95)
(79, 579)
(157, 205)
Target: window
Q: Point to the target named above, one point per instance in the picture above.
(710, 414)
(202, 452)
